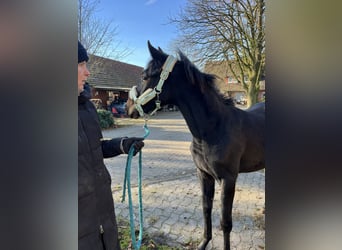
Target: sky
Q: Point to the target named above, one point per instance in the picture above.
(141, 20)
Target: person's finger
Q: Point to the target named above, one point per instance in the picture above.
(137, 147)
(139, 144)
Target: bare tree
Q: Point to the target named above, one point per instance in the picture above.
(98, 35)
(231, 31)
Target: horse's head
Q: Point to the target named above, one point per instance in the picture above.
(153, 90)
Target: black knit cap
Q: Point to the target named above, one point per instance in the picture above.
(82, 53)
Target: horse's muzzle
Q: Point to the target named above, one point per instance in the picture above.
(131, 110)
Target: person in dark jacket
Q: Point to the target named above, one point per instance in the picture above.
(97, 228)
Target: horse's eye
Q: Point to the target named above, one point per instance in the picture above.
(144, 76)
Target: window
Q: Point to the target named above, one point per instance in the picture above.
(231, 79)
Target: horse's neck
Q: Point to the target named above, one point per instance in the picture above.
(201, 119)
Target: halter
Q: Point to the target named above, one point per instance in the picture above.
(149, 94)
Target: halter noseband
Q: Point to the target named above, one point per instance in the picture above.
(149, 94)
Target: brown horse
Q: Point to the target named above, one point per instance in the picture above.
(226, 140)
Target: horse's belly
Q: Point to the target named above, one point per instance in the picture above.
(250, 165)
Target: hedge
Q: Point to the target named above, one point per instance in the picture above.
(106, 118)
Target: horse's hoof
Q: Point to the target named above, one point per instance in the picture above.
(203, 245)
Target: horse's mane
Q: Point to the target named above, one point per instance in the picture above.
(205, 81)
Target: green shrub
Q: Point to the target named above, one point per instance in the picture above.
(106, 118)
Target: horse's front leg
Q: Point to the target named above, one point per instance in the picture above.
(227, 197)
(208, 189)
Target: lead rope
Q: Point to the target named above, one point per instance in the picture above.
(127, 184)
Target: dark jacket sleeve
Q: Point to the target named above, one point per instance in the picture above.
(111, 148)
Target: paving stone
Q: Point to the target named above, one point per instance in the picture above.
(171, 191)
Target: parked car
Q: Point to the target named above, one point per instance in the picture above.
(241, 100)
(118, 109)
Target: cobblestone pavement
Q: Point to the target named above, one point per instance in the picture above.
(171, 192)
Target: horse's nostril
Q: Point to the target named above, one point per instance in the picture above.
(135, 114)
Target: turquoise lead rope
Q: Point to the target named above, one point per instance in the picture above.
(127, 184)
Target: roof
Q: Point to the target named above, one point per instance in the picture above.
(220, 68)
(111, 74)
(222, 71)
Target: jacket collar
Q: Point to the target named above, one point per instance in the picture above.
(85, 95)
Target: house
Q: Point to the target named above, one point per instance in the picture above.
(111, 80)
(227, 83)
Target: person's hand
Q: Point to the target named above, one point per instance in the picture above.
(137, 143)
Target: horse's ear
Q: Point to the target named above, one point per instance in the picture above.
(156, 54)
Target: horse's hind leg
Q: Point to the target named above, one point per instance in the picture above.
(227, 197)
(208, 189)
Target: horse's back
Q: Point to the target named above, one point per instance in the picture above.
(257, 108)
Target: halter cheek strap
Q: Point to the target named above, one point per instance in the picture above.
(149, 94)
